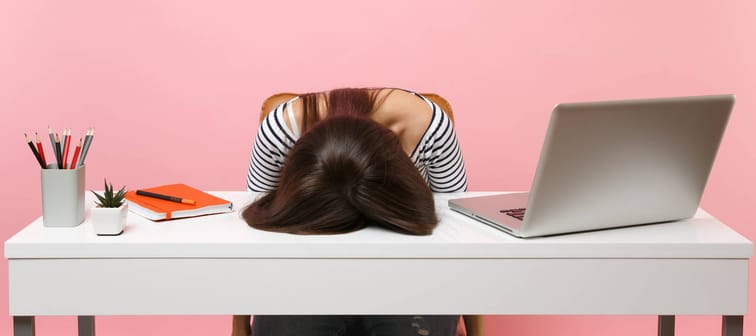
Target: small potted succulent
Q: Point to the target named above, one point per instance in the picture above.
(109, 214)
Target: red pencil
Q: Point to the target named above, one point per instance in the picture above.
(66, 145)
(34, 151)
(76, 155)
(40, 150)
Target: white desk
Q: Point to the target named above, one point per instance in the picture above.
(218, 265)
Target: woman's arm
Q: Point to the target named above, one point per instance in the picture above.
(272, 143)
(446, 168)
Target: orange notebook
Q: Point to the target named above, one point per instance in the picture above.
(158, 209)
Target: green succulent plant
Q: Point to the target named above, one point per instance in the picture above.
(109, 199)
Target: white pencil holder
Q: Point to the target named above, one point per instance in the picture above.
(63, 196)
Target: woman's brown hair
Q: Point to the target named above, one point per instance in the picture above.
(339, 102)
(345, 173)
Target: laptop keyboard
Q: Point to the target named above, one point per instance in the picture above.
(518, 213)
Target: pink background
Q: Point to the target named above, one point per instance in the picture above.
(174, 89)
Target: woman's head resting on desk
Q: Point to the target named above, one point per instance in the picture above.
(345, 173)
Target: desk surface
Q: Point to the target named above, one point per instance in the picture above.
(218, 265)
(228, 236)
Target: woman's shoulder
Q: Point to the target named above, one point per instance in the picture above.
(397, 96)
(405, 113)
(403, 106)
(277, 124)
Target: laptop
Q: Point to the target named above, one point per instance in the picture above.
(613, 164)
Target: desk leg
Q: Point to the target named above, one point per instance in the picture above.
(666, 325)
(732, 325)
(86, 326)
(23, 325)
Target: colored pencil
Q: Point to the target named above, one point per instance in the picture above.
(34, 150)
(41, 151)
(75, 155)
(57, 151)
(66, 146)
(83, 147)
(52, 143)
(87, 144)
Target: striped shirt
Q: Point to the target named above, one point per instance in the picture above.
(437, 156)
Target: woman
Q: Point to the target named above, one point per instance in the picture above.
(364, 157)
(424, 130)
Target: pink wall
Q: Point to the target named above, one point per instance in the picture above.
(174, 88)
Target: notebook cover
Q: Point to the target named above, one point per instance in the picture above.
(202, 199)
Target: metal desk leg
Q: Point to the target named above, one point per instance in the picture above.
(666, 325)
(732, 325)
(86, 326)
(23, 325)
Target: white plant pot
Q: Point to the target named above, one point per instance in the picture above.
(109, 221)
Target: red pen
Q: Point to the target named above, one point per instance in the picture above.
(40, 150)
(76, 155)
(66, 145)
